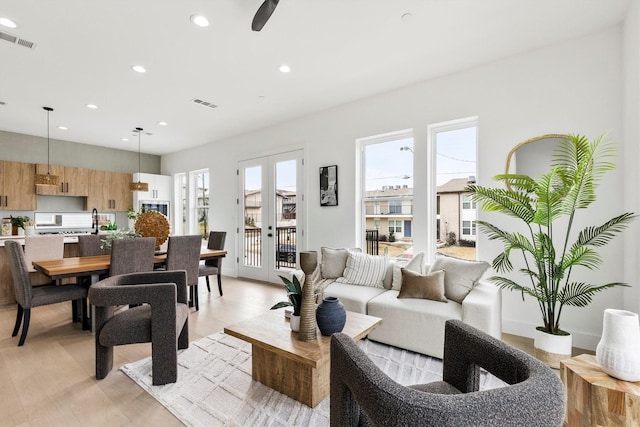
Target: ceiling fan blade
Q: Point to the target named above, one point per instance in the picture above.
(263, 14)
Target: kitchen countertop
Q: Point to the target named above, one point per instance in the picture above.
(68, 238)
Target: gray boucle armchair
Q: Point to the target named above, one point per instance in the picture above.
(361, 394)
(162, 319)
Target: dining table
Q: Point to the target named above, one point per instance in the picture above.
(95, 266)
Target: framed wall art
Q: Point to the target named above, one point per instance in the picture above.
(329, 185)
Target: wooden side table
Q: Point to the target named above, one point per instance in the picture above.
(596, 399)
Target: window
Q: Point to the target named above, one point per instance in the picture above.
(395, 226)
(468, 228)
(386, 188)
(467, 202)
(180, 216)
(199, 192)
(452, 148)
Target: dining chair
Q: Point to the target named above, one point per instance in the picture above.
(28, 296)
(213, 266)
(160, 316)
(132, 255)
(43, 248)
(183, 253)
(89, 245)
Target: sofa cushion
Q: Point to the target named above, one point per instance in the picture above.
(365, 270)
(354, 298)
(415, 264)
(334, 261)
(426, 286)
(461, 275)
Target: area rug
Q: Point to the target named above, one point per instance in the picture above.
(215, 387)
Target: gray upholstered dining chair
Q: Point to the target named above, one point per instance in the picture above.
(28, 296)
(132, 255)
(183, 253)
(160, 316)
(361, 394)
(213, 266)
(90, 245)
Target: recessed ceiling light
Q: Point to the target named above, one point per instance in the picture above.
(92, 106)
(62, 127)
(139, 69)
(6, 22)
(200, 20)
(162, 123)
(124, 139)
(285, 68)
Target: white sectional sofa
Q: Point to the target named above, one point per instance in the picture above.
(414, 323)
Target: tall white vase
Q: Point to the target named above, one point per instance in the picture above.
(618, 351)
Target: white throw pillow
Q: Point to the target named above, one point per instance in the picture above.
(365, 270)
(461, 275)
(415, 264)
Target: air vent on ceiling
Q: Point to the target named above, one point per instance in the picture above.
(16, 40)
(203, 102)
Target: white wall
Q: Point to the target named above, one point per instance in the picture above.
(571, 87)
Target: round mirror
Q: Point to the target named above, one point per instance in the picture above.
(534, 156)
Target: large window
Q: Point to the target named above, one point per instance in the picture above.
(200, 180)
(387, 191)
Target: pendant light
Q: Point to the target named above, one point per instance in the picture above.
(139, 186)
(47, 179)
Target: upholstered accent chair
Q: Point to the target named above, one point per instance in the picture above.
(28, 297)
(214, 266)
(183, 253)
(160, 316)
(361, 394)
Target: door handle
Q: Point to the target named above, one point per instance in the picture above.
(270, 234)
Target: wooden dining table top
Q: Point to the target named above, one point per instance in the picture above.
(75, 266)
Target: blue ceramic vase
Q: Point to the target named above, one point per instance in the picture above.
(330, 316)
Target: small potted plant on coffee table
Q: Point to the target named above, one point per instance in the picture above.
(294, 293)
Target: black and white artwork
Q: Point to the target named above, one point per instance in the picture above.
(329, 186)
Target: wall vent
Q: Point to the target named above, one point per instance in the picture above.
(16, 40)
(203, 102)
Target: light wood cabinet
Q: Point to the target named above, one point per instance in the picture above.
(17, 186)
(109, 191)
(73, 181)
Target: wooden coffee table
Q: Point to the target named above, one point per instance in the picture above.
(296, 368)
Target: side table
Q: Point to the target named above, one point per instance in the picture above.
(596, 399)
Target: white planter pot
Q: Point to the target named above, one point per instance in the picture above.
(29, 230)
(551, 349)
(618, 351)
(295, 323)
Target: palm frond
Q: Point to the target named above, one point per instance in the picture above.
(579, 294)
(601, 235)
(518, 182)
(512, 203)
(582, 256)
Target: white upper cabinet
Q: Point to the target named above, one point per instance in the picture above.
(159, 187)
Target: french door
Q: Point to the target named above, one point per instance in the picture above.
(270, 211)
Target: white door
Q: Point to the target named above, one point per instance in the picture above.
(270, 211)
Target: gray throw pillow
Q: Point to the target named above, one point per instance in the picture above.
(334, 261)
(415, 264)
(461, 275)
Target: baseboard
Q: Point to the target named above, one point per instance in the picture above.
(580, 339)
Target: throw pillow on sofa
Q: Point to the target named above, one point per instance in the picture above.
(365, 270)
(334, 261)
(415, 264)
(461, 275)
(424, 286)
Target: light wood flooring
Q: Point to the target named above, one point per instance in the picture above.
(50, 381)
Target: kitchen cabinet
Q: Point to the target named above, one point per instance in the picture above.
(159, 187)
(109, 191)
(17, 186)
(73, 181)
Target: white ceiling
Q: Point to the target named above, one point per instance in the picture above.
(338, 50)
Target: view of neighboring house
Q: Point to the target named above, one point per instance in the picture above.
(285, 208)
(390, 209)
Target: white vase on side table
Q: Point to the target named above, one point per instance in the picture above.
(618, 351)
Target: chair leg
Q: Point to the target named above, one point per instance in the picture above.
(18, 321)
(220, 283)
(195, 297)
(207, 279)
(74, 311)
(25, 326)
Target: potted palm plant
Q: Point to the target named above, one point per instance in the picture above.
(294, 293)
(549, 247)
